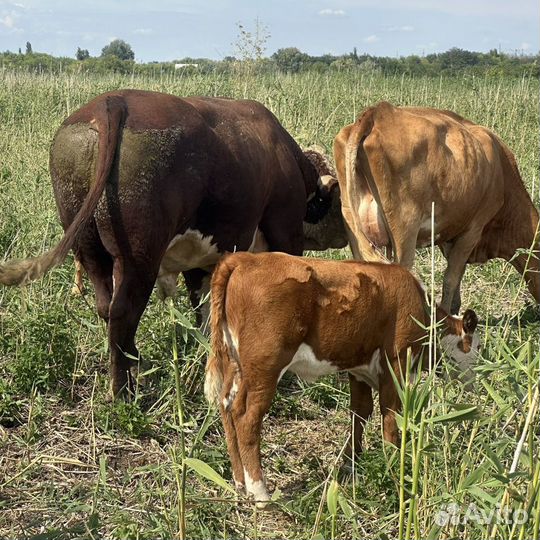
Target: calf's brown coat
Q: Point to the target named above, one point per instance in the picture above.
(272, 312)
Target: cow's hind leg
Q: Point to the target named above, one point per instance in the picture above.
(133, 283)
(98, 264)
(458, 255)
(405, 242)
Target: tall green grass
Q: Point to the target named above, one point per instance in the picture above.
(72, 464)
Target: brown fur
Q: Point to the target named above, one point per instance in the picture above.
(108, 120)
(402, 159)
(271, 303)
(131, 170)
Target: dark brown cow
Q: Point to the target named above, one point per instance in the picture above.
(149, 185)
(393, 162)
(273, 313)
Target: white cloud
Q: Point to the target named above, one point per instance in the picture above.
(7, 21)
(332, 12)
(525, 46)
(143, 31)
(404, 28)
(371, 39)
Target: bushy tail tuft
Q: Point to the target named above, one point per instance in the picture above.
(215, 367)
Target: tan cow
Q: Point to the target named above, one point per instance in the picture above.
(393, 162)
(273, 312)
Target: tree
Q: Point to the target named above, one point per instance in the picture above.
(28, 48)
(118, 48)
(290, 59)
(82, 54)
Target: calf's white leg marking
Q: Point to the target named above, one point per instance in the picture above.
(258, 489)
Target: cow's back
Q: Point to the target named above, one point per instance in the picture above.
(420, 155)
(218, 166)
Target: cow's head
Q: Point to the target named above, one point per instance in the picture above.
(459, 343)
(323, 225)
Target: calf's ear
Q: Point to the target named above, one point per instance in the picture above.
(470, 321)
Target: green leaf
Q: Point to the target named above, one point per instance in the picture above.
(204, 470)
(345, 506)
(494, 395)
(481, 494)
(332, 497)
(469, 413)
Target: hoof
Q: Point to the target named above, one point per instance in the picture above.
(77, 290)
(266, 506)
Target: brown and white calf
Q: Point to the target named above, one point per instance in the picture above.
(273, 313)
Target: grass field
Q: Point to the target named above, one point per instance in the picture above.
(75, 465)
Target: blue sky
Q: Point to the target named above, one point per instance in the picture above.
(166, 29)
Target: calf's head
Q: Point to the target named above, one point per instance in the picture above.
(459, 343)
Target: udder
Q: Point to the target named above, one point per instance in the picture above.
(371, 222)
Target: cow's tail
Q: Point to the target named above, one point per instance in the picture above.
(356, 165)
(223, 352)
(109, 120)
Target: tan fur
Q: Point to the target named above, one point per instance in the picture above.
(402, 159)
(213, 384)
(78, 281)
(339, 316)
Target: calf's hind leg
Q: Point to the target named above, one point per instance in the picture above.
(227, 397)
(361, 409)
(247, 411)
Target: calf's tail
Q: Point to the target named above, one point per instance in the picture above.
(109, 120)
(221, 355)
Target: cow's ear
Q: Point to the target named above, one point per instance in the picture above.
(470, 321)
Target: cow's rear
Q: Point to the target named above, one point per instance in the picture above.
(393, 163)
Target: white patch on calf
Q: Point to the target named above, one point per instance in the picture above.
(185, 252)
(369, 373)
(307, 366)
(231, 342)
(257, 488)
(461, 361)
(229, 398)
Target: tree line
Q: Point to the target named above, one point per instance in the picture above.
(119, 57)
